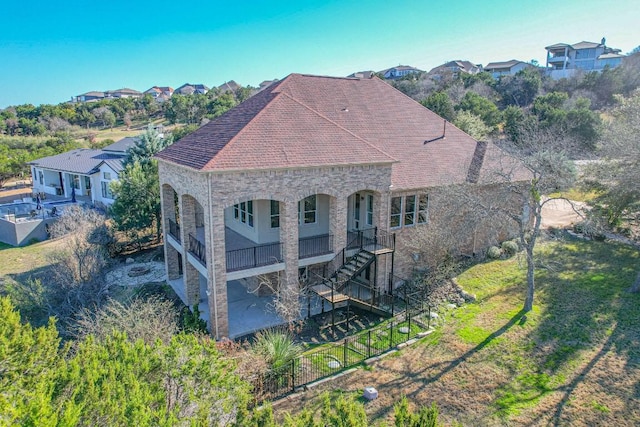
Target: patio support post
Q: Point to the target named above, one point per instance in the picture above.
(338, 222)
(169, 213)
(188, 226)
(289, 238)
(216, 269)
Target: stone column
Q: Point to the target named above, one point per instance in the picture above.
(216, 267)
(188, 226)
(289, 239)
(169, 213)
(338, 221)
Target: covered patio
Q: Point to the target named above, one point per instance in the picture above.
(248, 312)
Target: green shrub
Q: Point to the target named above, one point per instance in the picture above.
(494, 252)
(276, 347)
(191, 321)
(509, 248)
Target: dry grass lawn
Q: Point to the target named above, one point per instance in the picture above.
(574, 360)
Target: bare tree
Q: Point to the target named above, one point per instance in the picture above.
(616, 177)
(77, 281)
(146, 319)
(504, 198)
(287, 299)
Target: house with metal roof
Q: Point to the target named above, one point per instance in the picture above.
(564, 60)
(320, 180)
(83, 173)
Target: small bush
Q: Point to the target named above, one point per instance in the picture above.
(191, 321)
(494, 252)
(509, 248)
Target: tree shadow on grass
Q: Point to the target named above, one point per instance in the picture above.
(586, 307)
(445, 367)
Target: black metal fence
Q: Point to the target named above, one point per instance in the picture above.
(351, 351)
(255, 256)
(197, 249)
(371, 239)
(314, 246)
(174, 229)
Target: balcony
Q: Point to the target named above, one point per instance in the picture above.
(372, 239)
(245, 254)
(556, 59)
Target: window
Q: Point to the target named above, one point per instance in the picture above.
(423, 205)
(396, 211)
(409, 210)
(307, 210)
(106, 190)
(40, 177)
(275, 214)
(369, 209)
(106, 176)
(243, 212)
(76, 181)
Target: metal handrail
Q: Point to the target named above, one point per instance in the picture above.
(198, 249)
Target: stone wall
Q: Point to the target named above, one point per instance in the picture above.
(215, 191)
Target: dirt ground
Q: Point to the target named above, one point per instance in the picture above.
(561, 213)
(14, 190)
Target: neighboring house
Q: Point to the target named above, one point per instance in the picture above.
(123, 93)
(564, 60)
(363, 74)
(455, 67)
(398, 72)
(190, 89)
(230, 86)
(303, 175)
(505, 68)
(266, 83)
(89, 97)
(88, 172)
(159, 93)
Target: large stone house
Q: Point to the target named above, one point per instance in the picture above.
(312, 177)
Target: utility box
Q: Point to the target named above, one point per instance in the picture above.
(370, 393)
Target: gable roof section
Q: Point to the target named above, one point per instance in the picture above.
(81, 161)
(121, 146)
(305, 121)
(504, 64)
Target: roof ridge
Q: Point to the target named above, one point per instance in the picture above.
(242, 130)
(338, 125)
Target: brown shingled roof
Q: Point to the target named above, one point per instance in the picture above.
(314, 121)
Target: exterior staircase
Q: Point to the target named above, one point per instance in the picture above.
(341, 283)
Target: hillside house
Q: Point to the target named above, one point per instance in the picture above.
(505, 68)
(564, 60)
(311, 178)
(398, 72)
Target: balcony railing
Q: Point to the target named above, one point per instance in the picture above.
(197, 249)
(371, 239)
(315, 246)
(174, 230)
(255, 256)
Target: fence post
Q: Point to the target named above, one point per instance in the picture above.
(369, 344)
(293, 374)
(344, 353)
(409, 326)
(391, 335)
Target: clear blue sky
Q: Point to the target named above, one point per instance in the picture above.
(52, 50)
